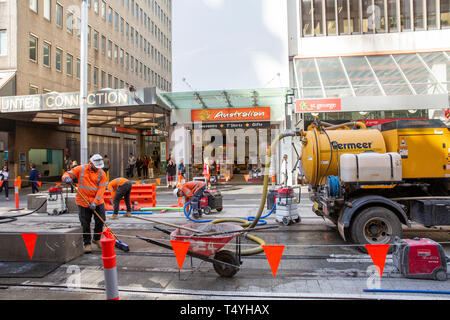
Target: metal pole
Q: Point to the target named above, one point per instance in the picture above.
(83, 84)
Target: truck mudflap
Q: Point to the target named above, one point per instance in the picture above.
(356, 205)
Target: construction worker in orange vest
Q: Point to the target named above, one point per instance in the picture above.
(192, 191)
(120, 188)
(92, 183)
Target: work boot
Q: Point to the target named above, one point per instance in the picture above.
(128, 214)
(97, 243)
(115, 216)
(87, 248)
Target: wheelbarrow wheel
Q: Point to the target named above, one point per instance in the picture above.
(226, 256)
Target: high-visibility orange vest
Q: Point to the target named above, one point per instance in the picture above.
(114, 185)
(190, 188)
(91, 184)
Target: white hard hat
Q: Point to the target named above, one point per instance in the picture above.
(175, 192)
(97, 161)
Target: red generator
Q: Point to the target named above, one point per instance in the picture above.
(420, 258)
(212, 200)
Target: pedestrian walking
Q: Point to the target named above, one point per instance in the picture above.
(283, 170)
(120, 188)
(171, 169)
(139, 164)
(4, 174)
(181, 168)
(156, 161)
(151, 165)
(192, 192)
(145, 167)
(131, 165)
(206, 170)
(92, 185)
(35, 176)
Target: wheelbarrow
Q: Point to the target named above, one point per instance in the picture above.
(208, 247)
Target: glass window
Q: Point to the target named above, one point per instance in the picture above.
(48, 162)
(69, 64)
(59, 15)
(380, 18)
(318, 15)
(33, 48)
(116, 53)
(34, 5)
(355, 18)
(46, 49)
(96, 6)
(110, 15)
(102, 80)
(47, 9)
(405, 14)
(95, 39)
(103, 10)
(69, 22)
(367, 16)
(342, 8)
(361, 77)
(431, 14)
(418, 14)
(392, 14)
(109, 49)
(331, 17)
(88, 73)
(445, 13)
(109, 81)
(58, 59)
(33, 90)
(3, 42)
(95, 76)
(78, 70)
(103, 44)
(116, 20)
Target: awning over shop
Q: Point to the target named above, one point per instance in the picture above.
(139, 109)
(419, 80)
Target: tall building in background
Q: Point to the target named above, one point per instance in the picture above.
(370, 59)
(130, 44)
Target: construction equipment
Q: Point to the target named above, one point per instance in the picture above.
(371, 181)
(420, 259)
(286, 206)
(119, 244)
(56, 204)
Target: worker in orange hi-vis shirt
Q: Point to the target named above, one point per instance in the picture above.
(92, 184)
(120, 188)
(192, 192)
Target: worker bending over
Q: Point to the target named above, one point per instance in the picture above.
(91, 184)
(120, 188)
(192, 192)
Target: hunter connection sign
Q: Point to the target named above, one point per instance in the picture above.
(317, 105)
(231, 114)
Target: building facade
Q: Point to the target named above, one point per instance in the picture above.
(379, 59)
(130, 44)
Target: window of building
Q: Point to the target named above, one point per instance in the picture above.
(33, 43)
(47, 9)
(379, 14)
(110, 15)
(103, 44)
(69, 22)
(103, 79)
(96, 6)
(331, 18)
(122, 25)
(59, 15)
(405, 14)
(419, 21)
(49, 162)
(89, 73)
(3, 42)
(103, 10)
(95, 39)
(392, 15)
(355, 18)
(33, 89)
(110, 49)
(95, 76)
(34, 5)
(78, 69)
(116, 20)
(116, 83)
(121, 57)
(116, 53)
(445, 13)
(46, 50)
(69, 65)
(109, 80)
(58, 59)
(431, 14)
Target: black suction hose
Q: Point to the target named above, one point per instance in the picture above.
(14, 218)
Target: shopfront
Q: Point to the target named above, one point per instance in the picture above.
(229, 129)
(44, 129)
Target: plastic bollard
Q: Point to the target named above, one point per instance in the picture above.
(109, 265)
(16, 192)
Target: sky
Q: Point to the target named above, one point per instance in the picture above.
(229, 44)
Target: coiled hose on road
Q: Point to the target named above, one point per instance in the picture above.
(14, 218)
(256, 219)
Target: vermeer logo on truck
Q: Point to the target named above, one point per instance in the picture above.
(352, 146)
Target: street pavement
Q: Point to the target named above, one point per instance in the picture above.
(316, 262)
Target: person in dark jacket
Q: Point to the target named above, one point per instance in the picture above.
(171, 173)
(35, 176)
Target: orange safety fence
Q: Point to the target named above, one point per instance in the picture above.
(142, 196)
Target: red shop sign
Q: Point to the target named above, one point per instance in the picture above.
(317, 105)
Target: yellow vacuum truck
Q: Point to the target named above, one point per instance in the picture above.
(371, 181)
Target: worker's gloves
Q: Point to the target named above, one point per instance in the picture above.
(68, 180)
(92, 206)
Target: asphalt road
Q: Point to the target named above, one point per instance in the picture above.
(316, 263)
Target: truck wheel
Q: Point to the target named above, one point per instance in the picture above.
(375, 225)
